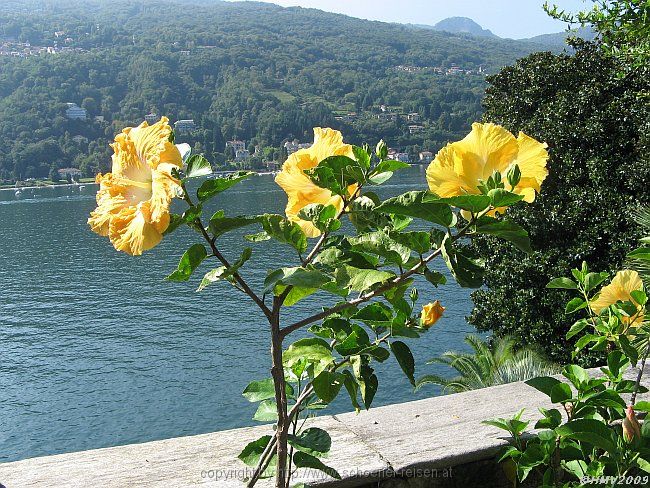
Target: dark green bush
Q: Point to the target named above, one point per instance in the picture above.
(596, 124)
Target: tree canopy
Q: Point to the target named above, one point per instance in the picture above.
(255, 72)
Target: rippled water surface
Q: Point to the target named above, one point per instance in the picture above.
(97, 350)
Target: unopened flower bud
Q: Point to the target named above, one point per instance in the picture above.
(631, 426)
(431, 313)
(381, 150)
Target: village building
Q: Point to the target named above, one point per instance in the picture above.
(236, 145)
(72, 173)
(426, 156)
(74, 112)
(184, 126)
(151, 118)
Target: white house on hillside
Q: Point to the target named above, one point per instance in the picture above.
(151, 118)
(236, 145)
(183, 126)
(74, 112)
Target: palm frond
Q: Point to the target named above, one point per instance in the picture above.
(493, 363)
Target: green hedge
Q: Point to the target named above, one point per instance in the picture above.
(596, 123)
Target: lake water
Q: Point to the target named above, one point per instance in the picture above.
(96, 350)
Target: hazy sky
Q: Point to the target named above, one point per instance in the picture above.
(506, 18)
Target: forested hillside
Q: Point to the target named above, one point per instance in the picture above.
(250, 71)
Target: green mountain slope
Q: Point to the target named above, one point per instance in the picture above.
(252, 71)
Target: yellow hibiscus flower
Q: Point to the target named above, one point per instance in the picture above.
(431, 313)
(459, 167)
(300, 189)
(133, 200)
(619, 290)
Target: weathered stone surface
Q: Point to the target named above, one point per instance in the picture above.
(396, 446)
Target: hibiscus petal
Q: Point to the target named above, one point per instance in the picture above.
(625, 282)
(109, 202)
(163, 190)
(486, 149)
(531, 159)
(131, 230)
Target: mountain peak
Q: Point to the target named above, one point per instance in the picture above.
(462, 25)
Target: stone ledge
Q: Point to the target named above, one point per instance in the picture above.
(430, 435)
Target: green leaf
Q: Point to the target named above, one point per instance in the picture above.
(592, 431)
(592, 280)
(381, 244)
(362, 157)
(630, 351)
(197, 166)
(642, 254)
(380, 178)
(257, 391)
(642, 406)
(419, 204)
(471, 203)
(576, 328)
(552, 418)
(312, 441)
(219, 224)
(223, 273)
(304, 460)
(563, 283)
(390, 165)
(418, 241)
(434, 277)
(467, 272)
(405, 359)
(505, 229)
(253, 450)
(560, 393)
(190, 260)
(576, 375)
(298, 276)
(360, 279)
(367, 381)
(576, 467)
(574, 305)
(352, 388)
(503, 198)
(259, 237)
(312, 350)
(327, 385)
(283, 230)
(211, 188)
(543, 383)
(266, 412)
(354, 343)
(336, 173)
(323, 217)
(375, 315)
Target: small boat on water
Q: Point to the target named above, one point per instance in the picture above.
(18, 193)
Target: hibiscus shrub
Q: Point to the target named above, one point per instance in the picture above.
(366, 269)
(594, 436)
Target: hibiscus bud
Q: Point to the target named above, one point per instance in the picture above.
(431, 312)
(514, 176)
(381, 150)
(631, 426)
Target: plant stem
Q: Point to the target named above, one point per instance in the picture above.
(639, 375)
(378, 291)
(216, 253)
(277, 372)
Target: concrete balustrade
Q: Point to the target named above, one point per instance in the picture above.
(434, 442)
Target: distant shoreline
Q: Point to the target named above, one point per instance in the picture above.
(21, 188)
